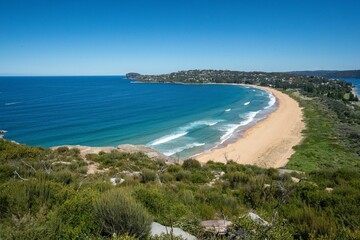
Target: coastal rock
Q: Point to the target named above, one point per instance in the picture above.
(289, 171)
(218, 226)
(157, 229)
(116, 181)
(148, 151)
(295, 180)
(328, 189)
(131, 174)
(128, 148)
(84, 150)
(256, 218)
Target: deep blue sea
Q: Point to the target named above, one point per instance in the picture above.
(179, 120)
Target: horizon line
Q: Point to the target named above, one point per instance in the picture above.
(123, 74)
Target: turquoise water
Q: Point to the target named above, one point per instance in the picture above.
(179, 120)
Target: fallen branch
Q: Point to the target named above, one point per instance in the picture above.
(17, 174)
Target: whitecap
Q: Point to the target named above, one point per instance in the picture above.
(272, 101)
(196, 124)
(182, 131)
(11, 103)
(167, 138)
(247, 103)
(180, 149)
(228, 110)
(230, 128)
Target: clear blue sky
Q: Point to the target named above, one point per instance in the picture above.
(114, 37)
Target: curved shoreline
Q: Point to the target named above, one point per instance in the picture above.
(270, 142)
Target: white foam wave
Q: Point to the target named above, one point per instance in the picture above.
(182, 131)
(249, 118)
(247, 103)
(167, 138)
(272, 100)
(196, 124)
(11, 103)
(230, 128)
(180, 149)
(228, 110)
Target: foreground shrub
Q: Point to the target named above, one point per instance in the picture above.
(119, 213)
(191, 164)
(75, 218)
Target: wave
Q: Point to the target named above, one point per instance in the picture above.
(247, 103)
(230, 128)
(228, 110)
(11, 103)
(249, 118)
(180, 149)
(196, 124)
(272, 101)
(182, 131)
(167, 138)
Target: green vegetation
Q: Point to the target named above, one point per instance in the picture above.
(324, 145)
(41, 198)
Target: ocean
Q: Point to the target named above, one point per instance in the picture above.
(176, 119)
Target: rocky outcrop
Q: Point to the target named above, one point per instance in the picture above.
(217, 226)
(289, 171)
(148, 151)
(256, 218)
(157, 230)
(128, 148)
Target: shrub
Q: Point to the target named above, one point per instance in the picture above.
(62, 149)
(182, 176)
(148, 176)
(191, 164)
(75, 219)
(119, 213)
(199, 177)
(64, 176)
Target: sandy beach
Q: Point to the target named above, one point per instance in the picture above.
(270, 142)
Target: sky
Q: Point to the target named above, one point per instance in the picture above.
(105, 37)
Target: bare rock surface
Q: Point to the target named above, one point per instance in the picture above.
(218, 226)
(148, 151)
(157, 229)
(258, 219)
(284, 171)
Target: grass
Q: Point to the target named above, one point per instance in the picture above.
(321, 147)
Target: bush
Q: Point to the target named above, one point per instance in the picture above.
(75, 219)
(148, 176)
(191, 164)
(62, 149)
(119, 213)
